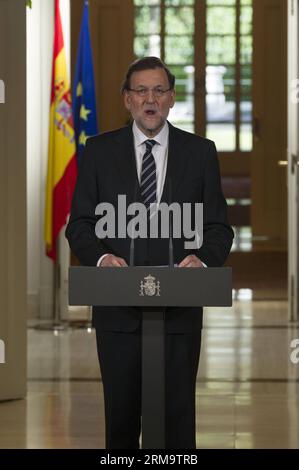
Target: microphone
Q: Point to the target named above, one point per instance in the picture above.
(170, 245)
(132, 243)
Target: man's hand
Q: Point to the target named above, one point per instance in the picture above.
(113, 261)
(191, 261)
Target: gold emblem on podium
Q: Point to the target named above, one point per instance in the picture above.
(149, 287)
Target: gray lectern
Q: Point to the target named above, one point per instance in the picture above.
(151, 288)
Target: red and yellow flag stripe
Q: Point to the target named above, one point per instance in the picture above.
(62, 162)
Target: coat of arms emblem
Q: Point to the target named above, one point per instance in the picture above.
(149, 287)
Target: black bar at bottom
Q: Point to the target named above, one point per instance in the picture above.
(153, 379)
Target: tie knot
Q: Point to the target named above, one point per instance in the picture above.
(149, 144)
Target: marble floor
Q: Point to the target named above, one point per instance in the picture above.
(247, 389)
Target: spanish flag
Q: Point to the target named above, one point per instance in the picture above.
(62, 166)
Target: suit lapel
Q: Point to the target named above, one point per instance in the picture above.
(176, 163)
(126, 161)
(178, 157)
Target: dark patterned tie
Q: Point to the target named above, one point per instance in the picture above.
(148, 182)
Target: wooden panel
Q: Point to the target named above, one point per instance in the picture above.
(112, 26)
(265, 273)
(234, 164)
(13, 244)
(269, 191)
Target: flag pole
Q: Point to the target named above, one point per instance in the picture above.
(62, 165)
(56, 324)
(84, 100)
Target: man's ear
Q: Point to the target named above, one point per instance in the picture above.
(127, 100)
(172, 98)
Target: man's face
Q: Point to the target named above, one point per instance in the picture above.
(150, 111)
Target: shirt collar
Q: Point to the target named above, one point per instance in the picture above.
(161, 138)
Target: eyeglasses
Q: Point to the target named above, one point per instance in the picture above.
(157, 91)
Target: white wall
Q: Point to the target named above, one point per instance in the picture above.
(40, 30)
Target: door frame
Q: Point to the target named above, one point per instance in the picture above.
(292, 158)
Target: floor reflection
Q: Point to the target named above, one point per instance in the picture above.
(247, 388)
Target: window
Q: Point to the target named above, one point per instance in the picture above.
(210, 39)
(166, 29)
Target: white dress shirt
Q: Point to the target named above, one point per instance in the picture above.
(159, 151)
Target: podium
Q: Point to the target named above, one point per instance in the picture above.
(152, 289)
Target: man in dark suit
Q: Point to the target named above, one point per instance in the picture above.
(139, 161)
